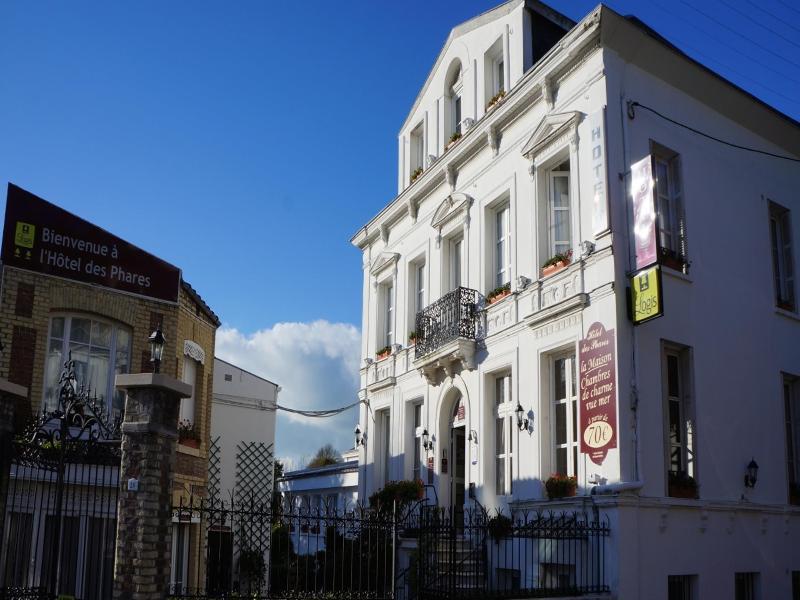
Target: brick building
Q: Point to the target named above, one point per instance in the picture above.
(101, 311)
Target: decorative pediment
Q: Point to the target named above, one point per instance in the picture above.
(551, 128)
(383, 260)
(454, 206)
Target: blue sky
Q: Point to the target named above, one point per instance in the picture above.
(247, 141)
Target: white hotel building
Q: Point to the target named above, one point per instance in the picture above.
(701, 391)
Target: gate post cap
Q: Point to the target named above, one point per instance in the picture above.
(159, 381)
(12, 389)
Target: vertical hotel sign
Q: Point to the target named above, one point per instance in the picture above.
(41, 237)
(598, 169)
(644, 213)
(598, 387)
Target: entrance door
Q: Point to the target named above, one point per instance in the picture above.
(458, 480)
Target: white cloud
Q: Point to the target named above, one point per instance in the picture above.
(316, 365)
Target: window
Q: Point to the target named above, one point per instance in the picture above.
(782, 264)
(502, 252)
(100, 350)
(795, 585)
(417, 151)
(456, 261)
(681, 587)
(452, 101)
(419, 292)
(670, 217)
(559, 219)
(746, 586)
(791, 401)
(384, 428)
(679, 415)
(565, 411)
(388, 314)
(498, 75)
(456, 112)
(417, 423)
(189, 376)
(503, 427)
(180, 557)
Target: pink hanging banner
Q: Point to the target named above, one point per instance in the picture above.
(644, 213)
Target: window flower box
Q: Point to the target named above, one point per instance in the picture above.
(383, 352)
(556, 263)
(412, 338)
(188, 435)
(496, 100)
(560, 486)
(415, 174)
(785, 305)
(453, 140)
(499, 293)
(681, 485)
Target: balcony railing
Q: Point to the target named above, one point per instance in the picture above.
(452, 316)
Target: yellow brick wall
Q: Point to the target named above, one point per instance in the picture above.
(184, 321)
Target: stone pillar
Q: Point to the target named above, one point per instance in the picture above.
(10, 395)
(144, 517)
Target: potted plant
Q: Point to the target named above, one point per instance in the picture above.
(453, 139)
(681, 485)
(412, 338)
(187, 434)
(495, 100)
(498, 293)
(415, 174)
(384, 352)
(500, 526)
(556, 263)
(560, 486)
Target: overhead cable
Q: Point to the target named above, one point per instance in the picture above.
(632, 105)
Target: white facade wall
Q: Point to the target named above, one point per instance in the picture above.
(723, 310)
(243, 412)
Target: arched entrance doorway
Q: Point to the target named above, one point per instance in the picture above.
(454, 464)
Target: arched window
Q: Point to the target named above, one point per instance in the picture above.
(100, 349)
(453, 105)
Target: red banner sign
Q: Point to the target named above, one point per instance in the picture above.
(644, 213)
(598, 386)
(42, 237)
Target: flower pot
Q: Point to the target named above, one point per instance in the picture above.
(383, 355)
(682, 491)
(190, 443)
(551, 269)
(568, 493)
(499, 297)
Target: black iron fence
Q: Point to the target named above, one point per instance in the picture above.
(59, 525)
(452, 316)
(478, 554)
(255, 549)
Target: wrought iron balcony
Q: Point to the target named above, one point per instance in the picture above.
(453, 316)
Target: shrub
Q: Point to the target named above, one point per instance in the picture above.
(500, 526)
(403, 492)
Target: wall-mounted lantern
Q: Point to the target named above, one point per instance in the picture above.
(156, 341)
(522, 421)
(360, 441)
(751, 474)
(426, 441)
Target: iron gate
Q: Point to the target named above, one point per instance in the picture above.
(60, 519)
